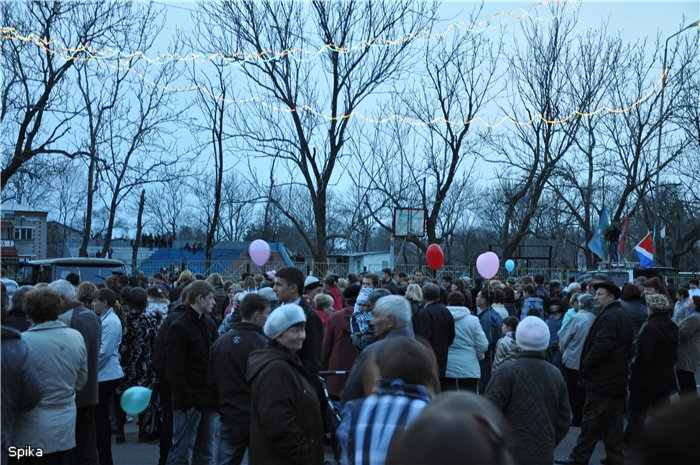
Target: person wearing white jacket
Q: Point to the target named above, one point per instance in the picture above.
(467, 349)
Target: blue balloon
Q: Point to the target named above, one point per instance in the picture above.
(510, 265)
(135, 400)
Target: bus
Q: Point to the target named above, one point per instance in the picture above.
(95, 270)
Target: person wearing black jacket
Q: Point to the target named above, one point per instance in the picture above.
(652, 374)
(286, 424)
(229, 393)
(288, 287)
(435, 323)
(158, 365)
(188, 342)
(604, 361)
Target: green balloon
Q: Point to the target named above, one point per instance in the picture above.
(135, 400)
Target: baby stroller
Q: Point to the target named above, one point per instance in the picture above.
(331, 415)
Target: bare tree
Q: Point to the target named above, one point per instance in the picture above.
(338, 85)
(37, 114)
(237, 207)
(637, 166)
(139, 143)
(165, 202)
(435, 160)
(540, 94)
(577, 182)
(139, 226)
(101, 88)
(679, 208)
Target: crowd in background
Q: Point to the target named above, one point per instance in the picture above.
(234, 366)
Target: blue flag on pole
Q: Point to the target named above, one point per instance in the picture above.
(597, 242)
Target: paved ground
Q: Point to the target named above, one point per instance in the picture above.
(134, 453)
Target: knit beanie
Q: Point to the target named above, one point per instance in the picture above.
(657, 303)
(282, 318)
(532, 334)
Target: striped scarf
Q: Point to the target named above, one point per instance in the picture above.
(369, 425)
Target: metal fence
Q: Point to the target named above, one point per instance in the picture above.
(228, 269)
(234, 269)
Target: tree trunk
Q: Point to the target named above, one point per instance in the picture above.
(218, 141)
(321, 253)
(113, 208)
(137, 239)
(88, 209)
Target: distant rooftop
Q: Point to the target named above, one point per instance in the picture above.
(16, 207)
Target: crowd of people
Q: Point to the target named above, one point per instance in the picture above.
(439, 371)
(157, 240)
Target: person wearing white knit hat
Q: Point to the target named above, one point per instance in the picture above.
(532, 334)
(531, 391)
(286, 423)
(283, 318)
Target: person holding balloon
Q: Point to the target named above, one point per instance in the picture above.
(487, 265)
(492, 324)
(136, 348)
(435, 324)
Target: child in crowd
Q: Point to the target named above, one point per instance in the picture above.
(324, 307)
(507, 349)
(361, 317)
(554, 322)
(532, 305)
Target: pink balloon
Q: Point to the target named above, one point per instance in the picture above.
(487, 264)
(259, 252)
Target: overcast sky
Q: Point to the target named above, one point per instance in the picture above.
(634, 20)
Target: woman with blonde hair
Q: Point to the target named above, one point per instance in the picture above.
(85, 293)
(184, 277)
(324, 307)
(414, 294)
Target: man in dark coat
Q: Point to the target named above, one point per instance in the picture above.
(532, 395)
(189, 340)
(289, 287)
(435, 323)
(391, 317)
(653, 376)
(159, 367)
(228, 387)
(492, 324)
(604, 361)
(88, 324)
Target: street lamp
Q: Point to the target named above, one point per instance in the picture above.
(661, 124)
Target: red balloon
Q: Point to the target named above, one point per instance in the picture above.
(434, 257)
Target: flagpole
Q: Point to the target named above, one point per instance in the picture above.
(664, 78)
